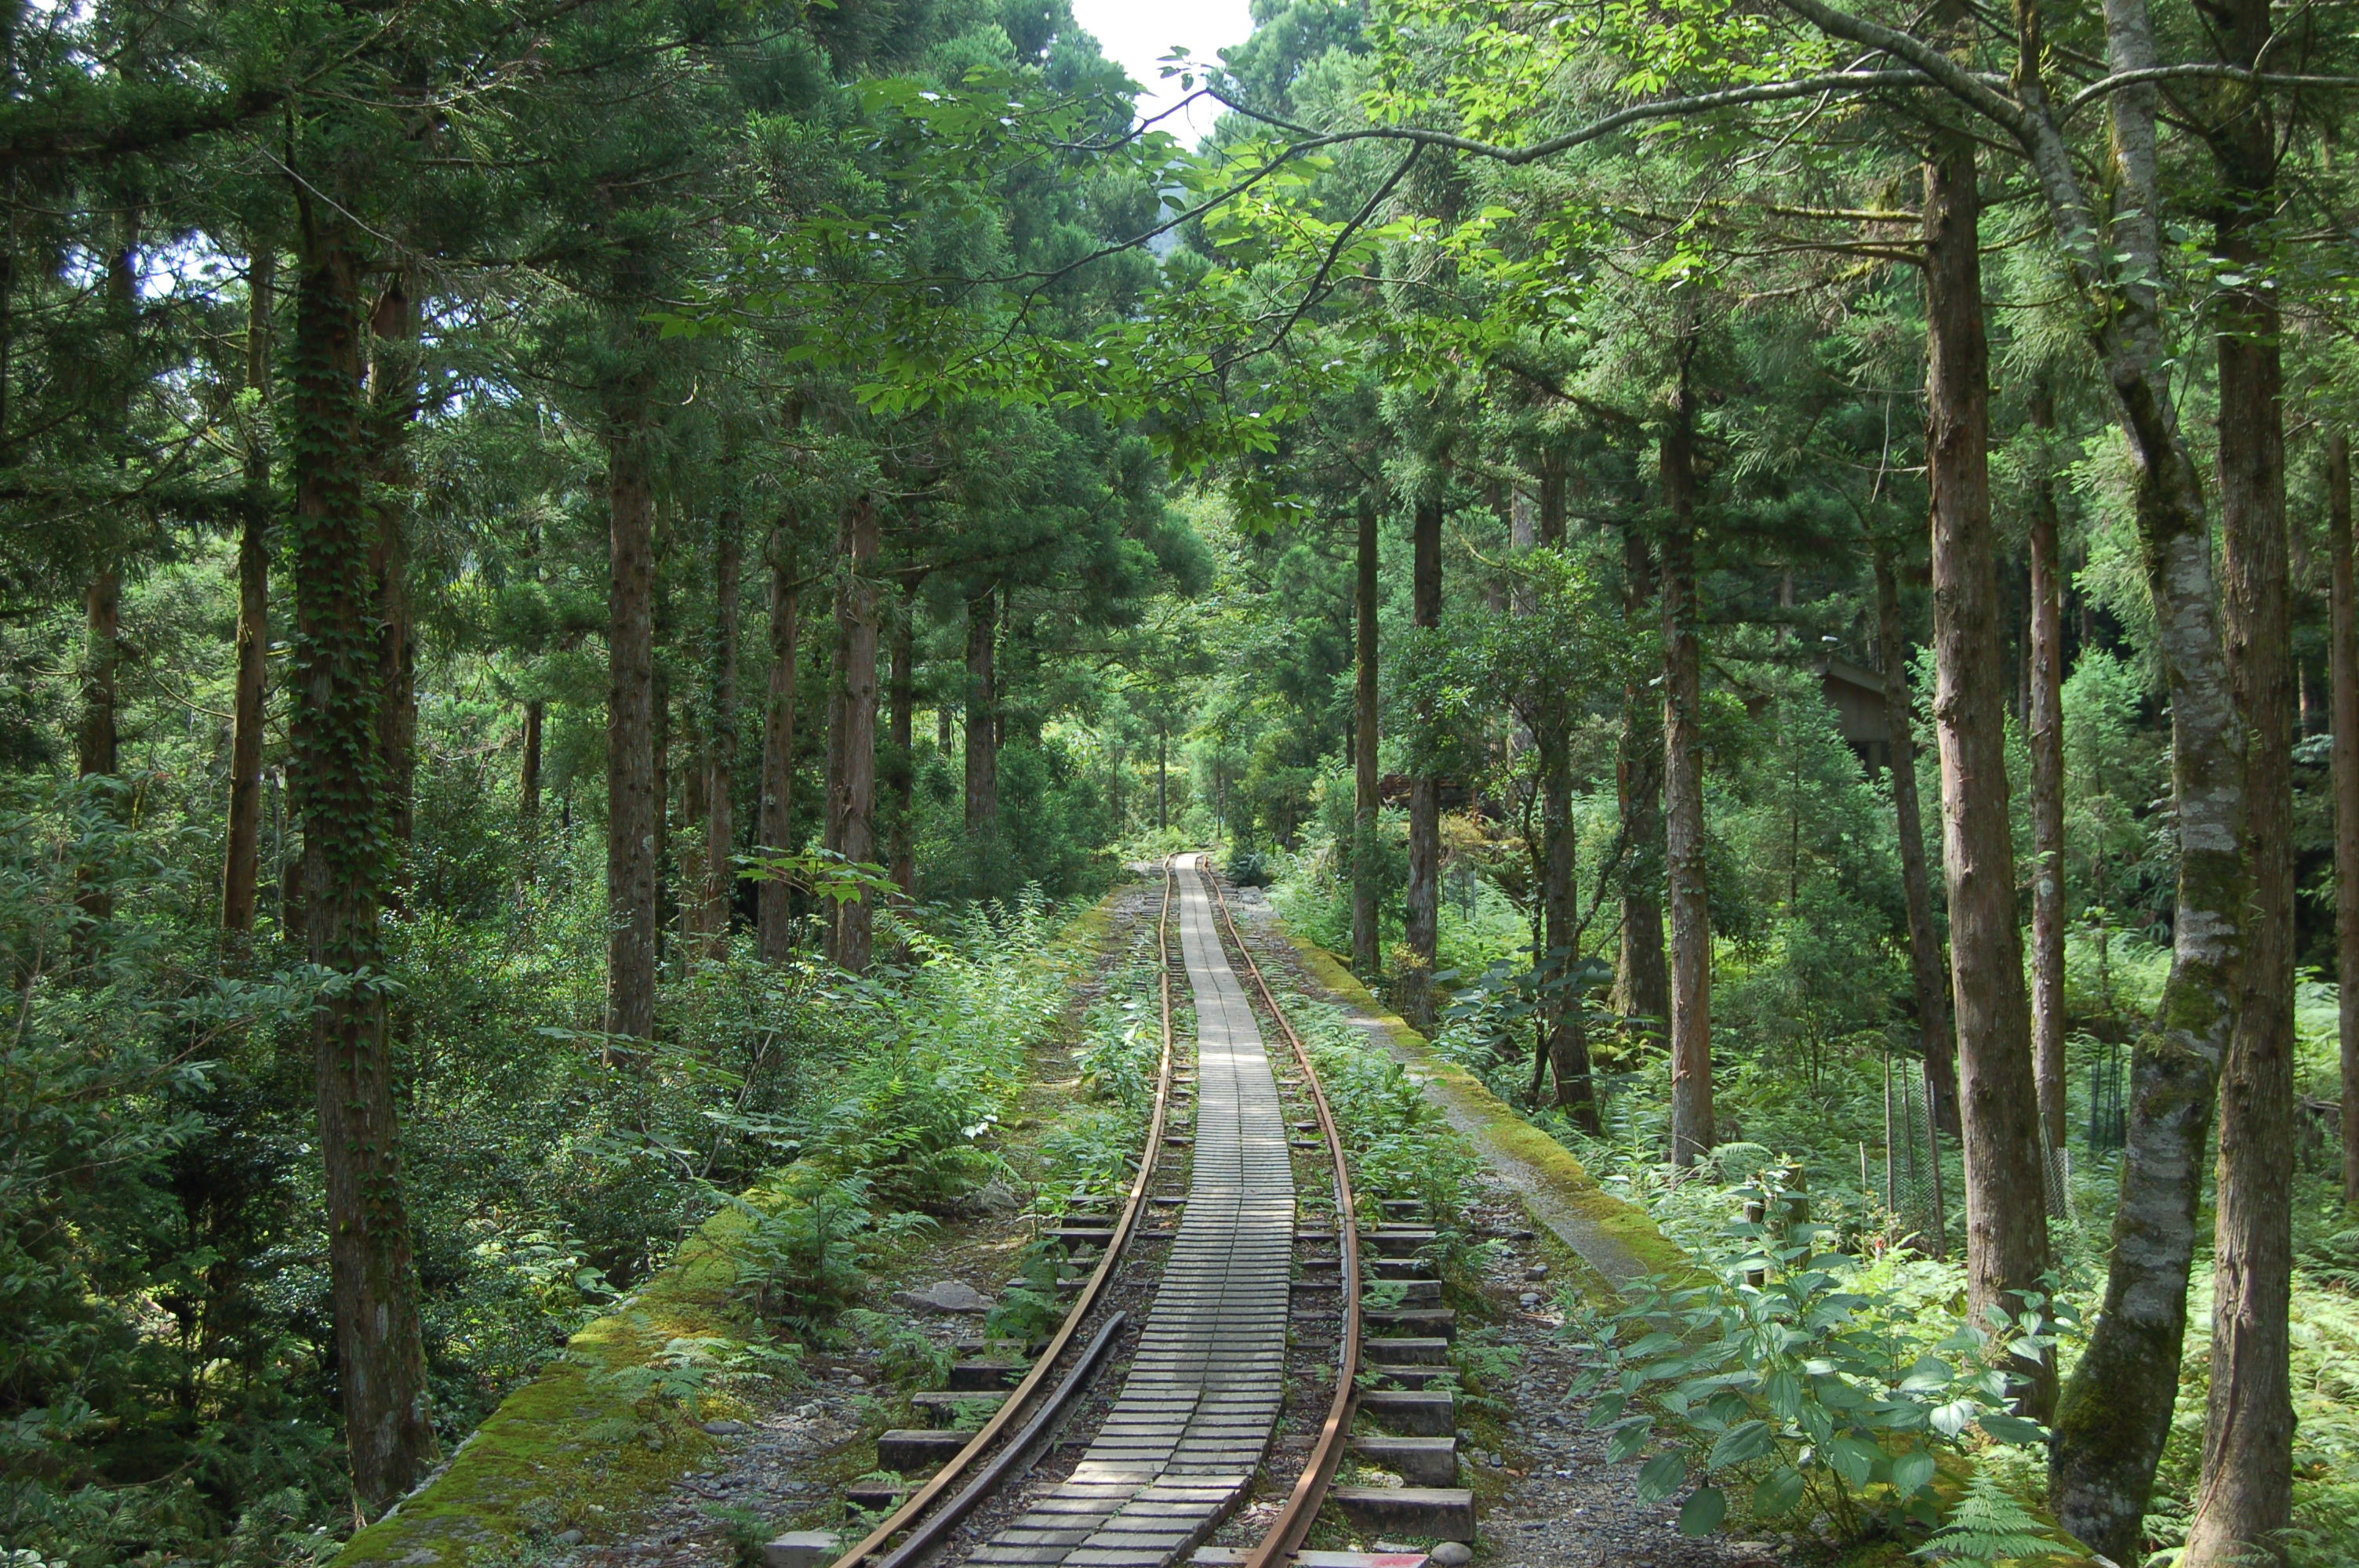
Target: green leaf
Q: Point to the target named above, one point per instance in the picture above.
(1703, 1511)
(1853, 1459)
(1778, 1494)
(1662, 1477)
(2015, 1429)
(1741, 1445)
(1912, 1471)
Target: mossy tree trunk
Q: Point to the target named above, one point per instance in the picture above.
(2342, 672)
(338, 781)
(2245, 1499)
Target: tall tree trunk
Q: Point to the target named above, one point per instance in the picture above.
(2007, 1209)
(2115, 1416)
(1422, 925)
(634, 806)
(1936, 1031)
(1568, 1032)
(2343, 696)
(775, 906)
(721, 745)
(851, 805)
(2343, 675)
(339, 791)
(97, 742)
(1692, 1132)
(901, 763)
(528, 772)
(1162, 780)
(393, 398)
(2246, 1500)
(2045, 732)
(241, 848)
(982, 717)
(1366, 954)
(1642, 980)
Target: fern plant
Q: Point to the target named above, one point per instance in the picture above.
(1989, 1526)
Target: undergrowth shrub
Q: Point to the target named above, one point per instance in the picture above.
(1791, 1384)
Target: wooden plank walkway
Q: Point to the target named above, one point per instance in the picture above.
(1202, 1397)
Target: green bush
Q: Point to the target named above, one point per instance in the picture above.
(1786, 1381)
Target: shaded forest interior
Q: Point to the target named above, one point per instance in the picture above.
(584, 583)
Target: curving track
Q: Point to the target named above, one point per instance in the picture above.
(1205, 1388)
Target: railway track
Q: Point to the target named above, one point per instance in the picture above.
(1235, 1336)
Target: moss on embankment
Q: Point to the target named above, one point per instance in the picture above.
(1617, 1241)
(571, 1449)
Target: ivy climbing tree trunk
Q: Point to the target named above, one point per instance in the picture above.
(851, 803)
(1692, 1132)
(2342, 677)
(337, 785)
(1928, 971)
(775, 911)
(1642, 980)
(241, 845)
(721, 744)
(2244, 1502)
(2044, 732)
(393, 413)
(2006, 1212)
(1367, 956)
(1421, 924)
(634, 806)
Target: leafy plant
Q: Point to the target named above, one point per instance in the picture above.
(1798, 1393)
(903, 1354)
(1989, 1527)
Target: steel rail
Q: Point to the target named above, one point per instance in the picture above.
(918, 1514)
(1293, 1521)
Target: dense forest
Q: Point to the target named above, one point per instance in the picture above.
(578, 576)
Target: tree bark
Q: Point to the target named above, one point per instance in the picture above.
(2244, 1502)
(721, 745)
(2045, 733)
(528, 772)
(1421, 925)
(1642, 980)
(2342, 676)
(393, 413)
(1366, 954)
(1936, 1031)
(1568, 1030)
(338, 782)
(634, 809)
(2115, 1416)
(901, 777)
(1692, 1133)
(773, 909)
(2007, 1209)
(852, 805)
(982, 716)
(242, 846)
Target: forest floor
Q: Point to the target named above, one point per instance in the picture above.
(1547, 1496)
